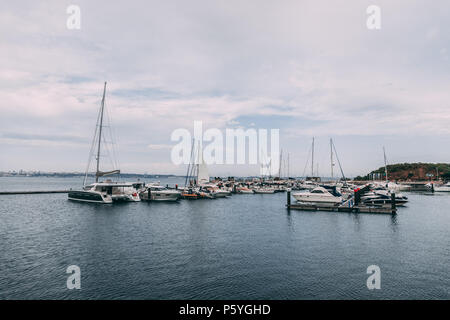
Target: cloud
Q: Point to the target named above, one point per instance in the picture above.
(309, 67)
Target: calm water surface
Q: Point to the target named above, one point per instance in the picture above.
(243, 247)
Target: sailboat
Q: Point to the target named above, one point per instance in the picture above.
(206, 189)
(106, 191)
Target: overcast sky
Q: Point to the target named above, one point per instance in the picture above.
(309, 68)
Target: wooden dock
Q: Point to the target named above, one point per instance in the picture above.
(354, 209)
(33, 192)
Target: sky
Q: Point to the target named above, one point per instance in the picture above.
(309, 68)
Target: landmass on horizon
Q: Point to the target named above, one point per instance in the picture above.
(396, 172)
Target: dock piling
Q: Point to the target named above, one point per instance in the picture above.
(393, 205)
(288, 198)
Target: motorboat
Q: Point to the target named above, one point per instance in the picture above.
(318, 195)
(443, 188)
(216, 191)
(243, 190)
(380, 196)
(205, 194)
(380, 199)
(264, 190)
(159, 193)
(392, 186)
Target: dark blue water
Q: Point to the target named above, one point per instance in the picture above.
(243, 247)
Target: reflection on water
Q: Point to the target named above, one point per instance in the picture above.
(244, 247)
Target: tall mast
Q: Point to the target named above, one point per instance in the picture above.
(385, 164)
(331, 158)
(281, 158)
(100, 133)
(189, 164)
(340, 167)
(312, 159)
(288, 165)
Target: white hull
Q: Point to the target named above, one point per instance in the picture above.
(165, 196)
(267, 191)
(221, 194)
(319, 195)
(319, 200)
(161, 195)
(442, 189)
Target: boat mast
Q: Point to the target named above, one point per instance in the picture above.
(312, 159)
(189, 164)
(385, 165)
(281, 158)
(288, 165)
(331, 158)
(100, 133)
(339, 162)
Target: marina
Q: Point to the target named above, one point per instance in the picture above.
(243, 246)
(198, 237)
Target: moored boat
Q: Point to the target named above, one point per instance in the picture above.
(263, 190)
(443, 188)
(319, 195)
(156, 192)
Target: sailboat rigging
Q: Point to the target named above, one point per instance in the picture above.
(108, 191)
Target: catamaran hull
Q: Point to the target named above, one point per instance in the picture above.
(86, 196)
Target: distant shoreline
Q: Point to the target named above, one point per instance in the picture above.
(76, 174)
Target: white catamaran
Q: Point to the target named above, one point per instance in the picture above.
(105, 191)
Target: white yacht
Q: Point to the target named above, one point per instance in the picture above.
(264, 190)
(318, 195)
(443, 188)
(216, 191)
(155, 192)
